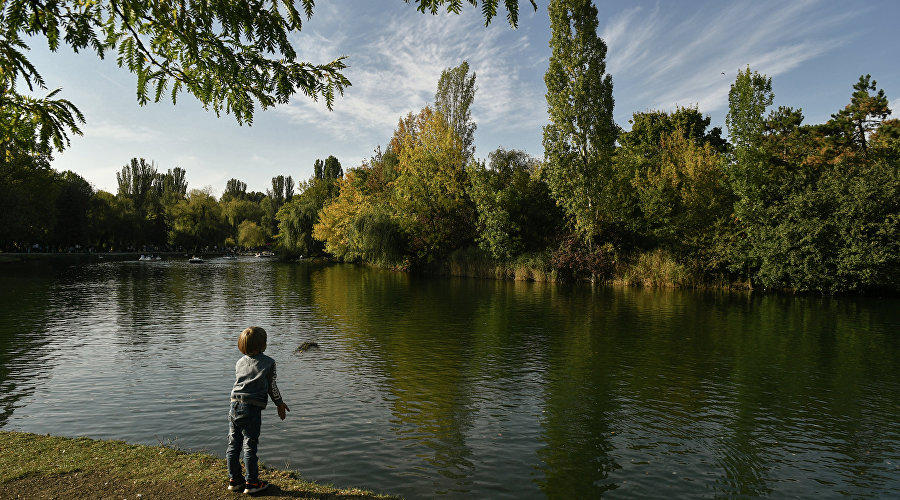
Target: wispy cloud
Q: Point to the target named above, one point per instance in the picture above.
(104, 129)
(394, 70)
(659, 60)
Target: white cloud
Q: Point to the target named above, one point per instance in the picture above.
(394, 70)
(105, 129)
(895, 108)
(659, 61)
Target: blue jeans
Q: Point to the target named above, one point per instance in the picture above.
(243, 438)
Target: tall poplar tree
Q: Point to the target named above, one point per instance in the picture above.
(135, 181)
(750, 95)
(579, 141)
(455, 94)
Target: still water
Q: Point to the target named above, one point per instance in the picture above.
(462, 388)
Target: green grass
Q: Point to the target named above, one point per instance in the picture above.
(25, 456)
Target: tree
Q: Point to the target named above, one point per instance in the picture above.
(515, 210)
(337, 217)
(27, 197)
(648, 150)
(429, 191)
(580, 139)
(235, 211)
(172, 185)
(750, 95)
(684, 197)
(28, 125)
(197, 221)
(297, 217)
(282, 190)
(110, 221)
(455, 94)
(332, 169)
(117, 225)
(649, 127)
(318, 169)
(488, 8)
(234, 190)
(104, 220)
(230, 56)
(140, 182)
(824, 208)
(250, 235)
(361, 221)
(136, 180)
(864, 114)
(887, 134)
(73, 203)
(329, 169)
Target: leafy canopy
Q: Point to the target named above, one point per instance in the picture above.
(229, 55)
(488, 8)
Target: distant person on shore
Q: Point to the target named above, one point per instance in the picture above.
(253, 386)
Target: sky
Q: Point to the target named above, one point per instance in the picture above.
(661, 54)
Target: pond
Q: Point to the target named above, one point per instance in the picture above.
(463, 388)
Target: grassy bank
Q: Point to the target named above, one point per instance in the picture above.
(37, 466)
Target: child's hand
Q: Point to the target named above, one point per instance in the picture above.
(282, 410)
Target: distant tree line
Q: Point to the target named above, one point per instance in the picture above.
(45, 210)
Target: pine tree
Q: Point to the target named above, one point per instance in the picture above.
(864, 114)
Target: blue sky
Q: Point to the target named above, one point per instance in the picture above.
(661, 54)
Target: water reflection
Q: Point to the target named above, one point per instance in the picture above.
(468, 388)
(25, 293)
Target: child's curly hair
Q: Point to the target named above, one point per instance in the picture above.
(252, 340)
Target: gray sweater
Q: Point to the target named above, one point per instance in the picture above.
(255, 381)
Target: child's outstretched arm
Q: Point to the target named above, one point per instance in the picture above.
(275, 394)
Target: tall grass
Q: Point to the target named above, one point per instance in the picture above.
(655, 268)
(472, 262)
(475, 262)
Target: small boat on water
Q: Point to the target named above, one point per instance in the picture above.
(195, 260)
(264, 255)
(150, 257)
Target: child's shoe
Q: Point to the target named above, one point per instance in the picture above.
(236, 486)
(256, 487)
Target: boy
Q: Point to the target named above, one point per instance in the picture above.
(254, 384)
